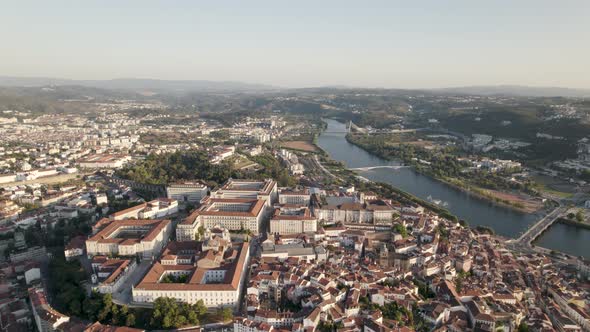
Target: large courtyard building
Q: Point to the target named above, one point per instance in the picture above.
(233, 214)
(249, 189)
(145, 238)
(187, 274)
(293, 220)
(191, 192)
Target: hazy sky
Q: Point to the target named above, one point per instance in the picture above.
(403, 44)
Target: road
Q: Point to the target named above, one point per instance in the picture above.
(123, 296)
(533, 232)
(325, 170)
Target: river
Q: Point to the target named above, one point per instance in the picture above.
(504, 221)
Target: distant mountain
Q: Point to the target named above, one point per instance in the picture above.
(138, 84)
(517, 90)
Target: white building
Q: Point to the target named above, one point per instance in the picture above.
(293, 220)
(294, 197)
(158, 208)
(249, 189)
(213, 279)
(130, 238)
(232, 213)
(191, 192)
(111, 274)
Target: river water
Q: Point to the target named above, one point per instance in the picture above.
(475, 211)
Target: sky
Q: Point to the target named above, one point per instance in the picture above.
(390, 44)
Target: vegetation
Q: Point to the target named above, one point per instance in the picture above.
(400, 314)
(170, 167)
(57, 235)
(172, 279)
(523, 327)
(580, 216)
(102, 308)
(424, 290)
(67, 279)
(445, 166)
(168, 313)
(400, 229)
(193, 164)
(329, 326)
(224, 314)
(272, 168)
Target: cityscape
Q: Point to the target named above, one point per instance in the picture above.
(323, 203)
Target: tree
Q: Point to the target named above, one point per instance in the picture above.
(168, 313)
(130, 320)
(523, 327)
(200, 308)
(66, 285)
(401, 229)
(225, 314)
(580, 216)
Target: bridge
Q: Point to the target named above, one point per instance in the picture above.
(377, 167)
(538, 228)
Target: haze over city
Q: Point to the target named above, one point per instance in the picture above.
(392, 44)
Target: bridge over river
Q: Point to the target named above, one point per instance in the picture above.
(539, 227)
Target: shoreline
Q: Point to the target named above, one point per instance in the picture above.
(357, 179)
(467, 190)
(441, 211)
(574, 223)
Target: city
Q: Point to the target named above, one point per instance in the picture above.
(255, 229)
(330, 166)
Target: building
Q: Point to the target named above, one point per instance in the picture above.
(246, 325)
(191, 192)
(98, 327)
(75, 247)
(46, 318)
(110, 274)
(220, 153)
(144, 238)
(216, 277)
(295, 197)
(249, 189)
(232, 213)
(376, 211)
(293, 220)
(158, 208)
(33, 253)
(100, 161)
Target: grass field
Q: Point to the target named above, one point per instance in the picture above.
(299, 145)
(554, 186)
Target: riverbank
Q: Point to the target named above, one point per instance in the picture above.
(504, 199)
(507, 223)
(576, 223)
(496, 197)
(383, 189)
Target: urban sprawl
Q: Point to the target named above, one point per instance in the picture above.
(256, 253)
